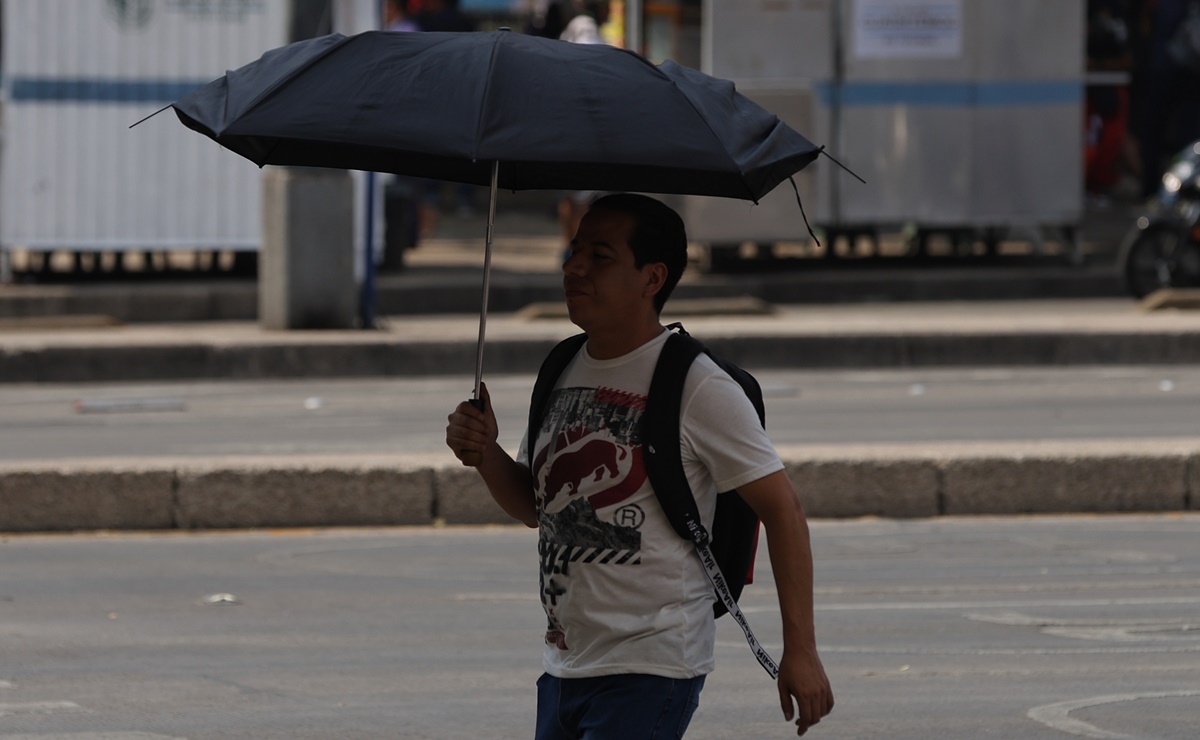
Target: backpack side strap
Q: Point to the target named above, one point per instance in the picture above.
(664, 467)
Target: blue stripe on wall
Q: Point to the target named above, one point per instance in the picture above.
(954, 94)
(82, 90)
(947, 94)
(1028, 93)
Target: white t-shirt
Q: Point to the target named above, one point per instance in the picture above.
(622, 591)
(582, 30)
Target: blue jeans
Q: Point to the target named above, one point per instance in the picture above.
(629, 707)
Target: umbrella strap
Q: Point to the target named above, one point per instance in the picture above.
(717, 579)
(803, 215)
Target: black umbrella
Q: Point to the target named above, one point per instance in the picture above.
(500, 109)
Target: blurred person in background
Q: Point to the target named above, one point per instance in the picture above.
(414, 216)
(547, 21)
(1167, 100)
(443, 16)
(396, 17)
(1110, 157)
(586, 18)
(583, 28)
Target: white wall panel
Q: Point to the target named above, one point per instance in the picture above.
(77, 73)
(975, 123)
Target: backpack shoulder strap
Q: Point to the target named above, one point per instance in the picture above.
(552, 368)
(660, 429)
(660, 437)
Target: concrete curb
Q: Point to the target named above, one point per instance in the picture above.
(198, 495)
(301, 358)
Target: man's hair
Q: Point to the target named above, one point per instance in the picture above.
(658, 236)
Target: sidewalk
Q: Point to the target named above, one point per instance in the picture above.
(860, 317)
(1092, 331)
(891, 481)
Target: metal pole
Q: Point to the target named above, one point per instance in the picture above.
(475, 459)
(367, 303)
(633, 25)
(835, 123)
(487, 278)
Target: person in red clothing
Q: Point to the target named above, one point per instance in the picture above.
(1109, 151)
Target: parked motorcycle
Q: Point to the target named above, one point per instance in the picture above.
(1163, 251)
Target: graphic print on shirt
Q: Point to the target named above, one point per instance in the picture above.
(591, 463)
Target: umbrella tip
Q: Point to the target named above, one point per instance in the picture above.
(152, 115)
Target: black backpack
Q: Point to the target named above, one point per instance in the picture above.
(734, 538)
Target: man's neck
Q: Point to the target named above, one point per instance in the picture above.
(609, 345)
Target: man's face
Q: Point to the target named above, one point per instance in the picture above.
(603, 287)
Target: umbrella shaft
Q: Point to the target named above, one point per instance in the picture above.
(487, 279)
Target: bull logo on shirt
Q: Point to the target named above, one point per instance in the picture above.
(591, 465)
(595, 459)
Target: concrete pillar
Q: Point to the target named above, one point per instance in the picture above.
(306, 267)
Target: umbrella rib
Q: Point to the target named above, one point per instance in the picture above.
(741, 177)
(487, 93)
(282, 83)
(274, 146)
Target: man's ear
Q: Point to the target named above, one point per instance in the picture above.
(656, 277)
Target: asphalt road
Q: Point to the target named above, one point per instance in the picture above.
(399, 416)
(1032, 628)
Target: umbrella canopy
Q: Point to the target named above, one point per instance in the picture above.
(500, 109)
(448, 105)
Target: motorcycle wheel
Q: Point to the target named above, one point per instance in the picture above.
(1162, 256)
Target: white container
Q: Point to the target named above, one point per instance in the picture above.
(959, 114)
(77, 73)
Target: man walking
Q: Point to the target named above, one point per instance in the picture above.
(630, 632)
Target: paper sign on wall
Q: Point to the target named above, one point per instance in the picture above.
(908, 29)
